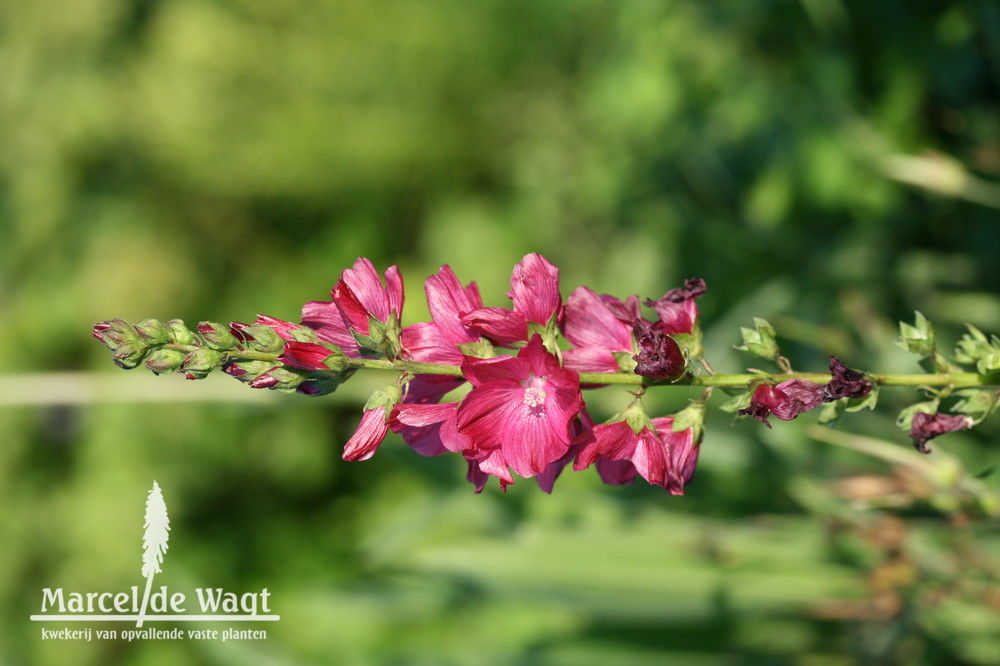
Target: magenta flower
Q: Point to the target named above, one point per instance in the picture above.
(596, 333)
(359, 300)
(795, 396)
(661, 456)
(524, 406)
(925, 427)
(786, 400)
(305, 355)
(369, 434)
(659, 355)
(676, 309)
(430, 429)
(534, 289)
(437, 341)
(281, 327)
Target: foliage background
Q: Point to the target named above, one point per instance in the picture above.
(828, 164)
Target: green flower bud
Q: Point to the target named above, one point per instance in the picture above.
(162, 361)
(388, 397)
(130, 353)
(179, 333)
(917, 339)
(153, 331)
(263, 339)
(200, 362)
(216, 336)
(974, 347)
(114, 332)
(282, 378)
(759, 341)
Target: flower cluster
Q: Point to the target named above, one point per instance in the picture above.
(523, 412)
(504, 387)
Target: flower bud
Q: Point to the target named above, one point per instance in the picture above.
(153, 331)
(179, 333)
(281, 378)
(387, 397)
(917, 339)
(257, 337)
(200, 362)
(216, 336)
(759, 341)
(974, 347)
(162, 361)
(113, 332)
(247, 371)
(130, 353)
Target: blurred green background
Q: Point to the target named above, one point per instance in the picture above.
(832, 165)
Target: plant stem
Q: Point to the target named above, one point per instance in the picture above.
(954, 379)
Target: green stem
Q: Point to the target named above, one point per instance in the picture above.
(955, 379)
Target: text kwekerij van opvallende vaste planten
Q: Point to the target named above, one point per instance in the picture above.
(529, 365)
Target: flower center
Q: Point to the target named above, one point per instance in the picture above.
(534, 402)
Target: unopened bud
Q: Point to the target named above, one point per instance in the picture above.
(919, 338)
(257, 337)
(179, 333)
(130, 353)
(153, 331)
(162, 361)
(113, 332)
(282, 378)
(200, 362)
(759, 340)
(247, 371)
(216, 336)
(388, 397)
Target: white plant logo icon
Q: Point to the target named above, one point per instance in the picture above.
(154, 542)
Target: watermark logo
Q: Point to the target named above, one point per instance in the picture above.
(161, 605)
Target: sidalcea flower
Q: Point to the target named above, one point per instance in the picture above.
(786, 400)
(596, 332)
(523, 406)
(437, 341)
(795, 396)
(844, 382)
(928, 426)
(659, 354)
(363, 313)
(374, 424)
(676, 309)
(430, 429)
(534, 290)
(652, 448)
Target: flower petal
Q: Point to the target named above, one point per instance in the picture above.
(534, 289)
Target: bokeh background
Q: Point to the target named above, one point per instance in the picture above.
(832, 165)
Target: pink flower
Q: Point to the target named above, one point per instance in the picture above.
(925, 427)
(429, 429)
(786, 400)
(534, 289)
(437, 341)
(281, 327)
(522, 406)
(359, 299)
(676, 309)
(661, 456)
(369, 434)
(596, 333)
(305, 355)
